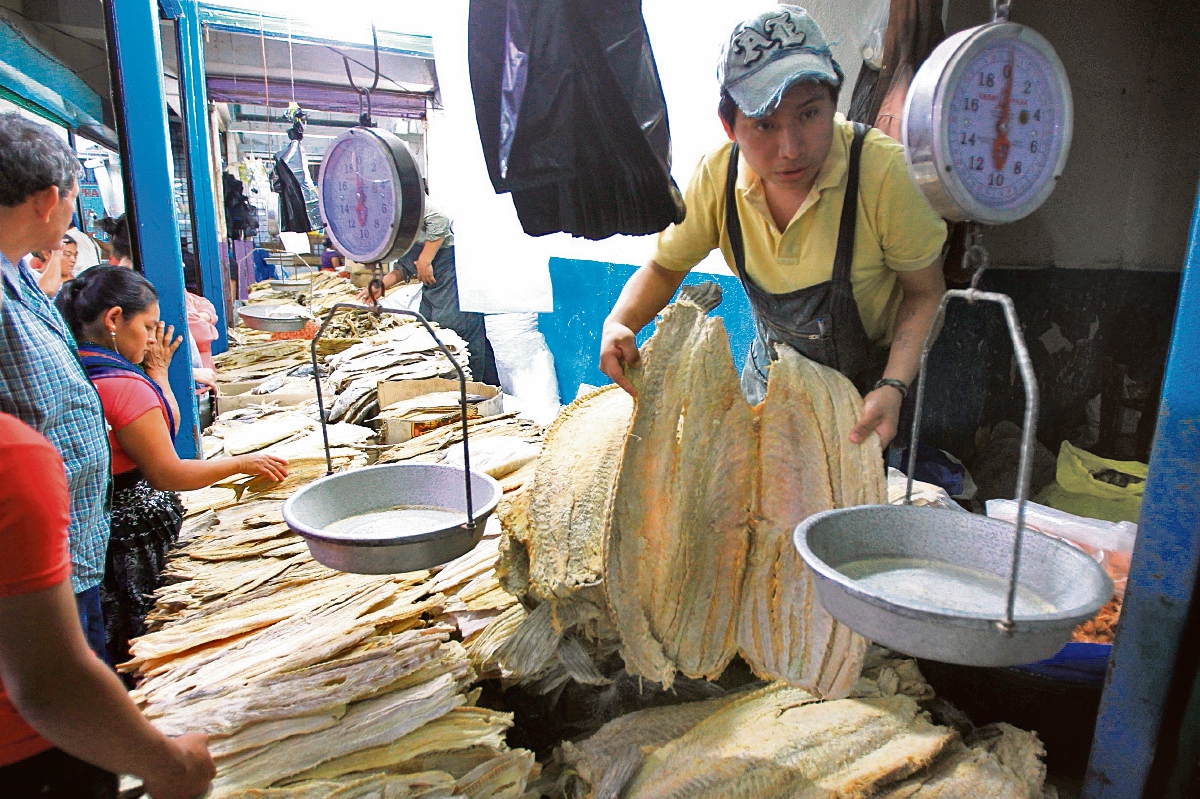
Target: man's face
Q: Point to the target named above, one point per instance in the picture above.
(53, 210)
(787, 147)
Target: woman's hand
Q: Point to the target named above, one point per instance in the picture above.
(271, 467)
(160, 350)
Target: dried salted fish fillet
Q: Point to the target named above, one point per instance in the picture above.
(784, 632)
(461, 728)
(600, 766)
(425, 785)
(1005, 764)
(532, 645)
(568, 512)
(255, 436)
(503, 777)
(782, 742)
(677, 547)
(372, 722)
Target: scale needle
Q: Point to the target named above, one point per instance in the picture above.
(1001, 145)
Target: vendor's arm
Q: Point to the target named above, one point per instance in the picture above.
(923, 292)
(678, 249)
(647, 292)
(425, 261)
(148, 444)
(912, 235)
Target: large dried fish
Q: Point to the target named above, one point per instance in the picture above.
(784, 742)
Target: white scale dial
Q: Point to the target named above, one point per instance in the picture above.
(1003, 124)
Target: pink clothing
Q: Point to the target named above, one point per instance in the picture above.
(125, 400)
(202, 317)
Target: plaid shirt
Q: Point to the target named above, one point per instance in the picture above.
(43, 385)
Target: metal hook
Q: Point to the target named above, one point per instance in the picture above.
(364, 119)
(1000, 10)
(975, 255)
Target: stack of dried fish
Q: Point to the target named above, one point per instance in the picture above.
(781, 741)
(665, 528)
(325, 289)
(406, 352)
(316, 682)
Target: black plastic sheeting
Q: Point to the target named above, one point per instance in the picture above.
(572, 116)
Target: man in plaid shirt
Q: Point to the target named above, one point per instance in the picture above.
(41, 380)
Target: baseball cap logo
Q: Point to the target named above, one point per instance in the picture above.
(778, 32)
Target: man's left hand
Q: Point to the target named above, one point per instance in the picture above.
(881, 414)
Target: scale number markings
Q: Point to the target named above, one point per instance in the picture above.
(1003, 124)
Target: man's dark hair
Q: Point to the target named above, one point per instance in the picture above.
(727, 108)
(32, 159)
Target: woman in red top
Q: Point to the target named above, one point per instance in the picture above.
(113, 313)
(67, 727)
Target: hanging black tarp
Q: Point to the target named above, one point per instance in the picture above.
(572, 116)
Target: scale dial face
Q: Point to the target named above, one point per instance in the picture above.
(988, 124)
(371, 195)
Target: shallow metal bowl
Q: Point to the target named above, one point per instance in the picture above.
(956, 622)
(409, 547)
(258, 317)
(294, 286)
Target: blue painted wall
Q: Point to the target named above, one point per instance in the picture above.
(584, 293)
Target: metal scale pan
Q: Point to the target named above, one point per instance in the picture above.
(948, 586)
(260, 317)
(396, 517)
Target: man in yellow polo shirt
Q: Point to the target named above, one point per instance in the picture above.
(837, 249)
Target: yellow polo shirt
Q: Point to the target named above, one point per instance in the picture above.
(897, 229)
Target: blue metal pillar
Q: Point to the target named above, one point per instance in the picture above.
(1165, 564)
(190, 37)
(135, 61)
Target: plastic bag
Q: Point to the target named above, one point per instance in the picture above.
(1110, 543)
(874, 30)
(572, 117)
(524, 364)
(925, 494)
(1094, 487)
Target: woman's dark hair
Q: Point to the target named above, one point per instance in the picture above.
(89, 296)
(118, 234)
(727, 108)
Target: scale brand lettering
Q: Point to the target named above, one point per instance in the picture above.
(779, 32)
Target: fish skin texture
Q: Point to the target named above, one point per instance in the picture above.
(689, 541)
(677, 546)
(784, 742)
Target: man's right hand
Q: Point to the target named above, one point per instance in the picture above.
(618, 349)
(192, 774)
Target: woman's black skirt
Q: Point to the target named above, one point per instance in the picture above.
(145, 525)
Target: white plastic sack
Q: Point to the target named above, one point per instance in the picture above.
(924, 494)
(524, 364)
(1093, 533)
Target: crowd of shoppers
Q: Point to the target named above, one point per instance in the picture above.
(87, 513)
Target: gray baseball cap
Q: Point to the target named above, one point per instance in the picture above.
(769, 53)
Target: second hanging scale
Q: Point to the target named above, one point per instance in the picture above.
(986, 130)
(396, 517)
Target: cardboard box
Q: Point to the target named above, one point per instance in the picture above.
(234, 396)
(396, 431)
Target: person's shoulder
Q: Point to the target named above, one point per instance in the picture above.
(714, 165)
(18, 439)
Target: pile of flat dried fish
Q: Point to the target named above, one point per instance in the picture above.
(781, 741)
(665, 527)
(312, 683)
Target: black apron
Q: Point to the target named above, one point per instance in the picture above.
(820, 322)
